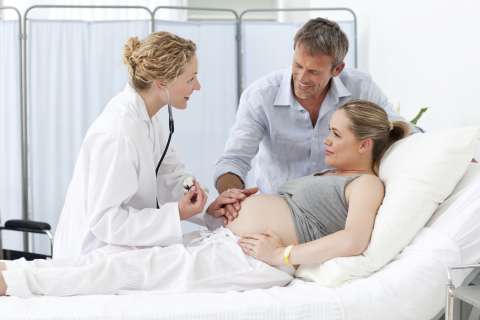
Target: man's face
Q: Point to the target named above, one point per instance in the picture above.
(311, 74)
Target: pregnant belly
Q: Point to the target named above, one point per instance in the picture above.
(265, 212)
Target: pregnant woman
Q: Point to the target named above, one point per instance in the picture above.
(312, 219)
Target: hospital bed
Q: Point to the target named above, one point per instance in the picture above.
(412, 286)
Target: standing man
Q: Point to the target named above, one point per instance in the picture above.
(284, 116)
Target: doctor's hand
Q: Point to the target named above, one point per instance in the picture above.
(227, 204)
(192, 202)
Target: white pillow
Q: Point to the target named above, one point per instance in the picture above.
(458, 218)
(472, 174)
(419, 172)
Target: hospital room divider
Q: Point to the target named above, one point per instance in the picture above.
(11, 131)
(64, 89)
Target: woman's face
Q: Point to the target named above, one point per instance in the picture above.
(341, 145)
(183, 86)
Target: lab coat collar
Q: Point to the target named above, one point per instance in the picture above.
(137, 104)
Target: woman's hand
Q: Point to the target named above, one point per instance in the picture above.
(227, 204)
(192, 202)
(266, 247)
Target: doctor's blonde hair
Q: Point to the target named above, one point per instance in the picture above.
(160, 56)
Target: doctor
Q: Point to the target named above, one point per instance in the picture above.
(116, 199)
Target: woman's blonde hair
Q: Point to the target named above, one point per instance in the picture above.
(370, 121)
(160, 56)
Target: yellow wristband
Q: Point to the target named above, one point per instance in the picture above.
(286, 254)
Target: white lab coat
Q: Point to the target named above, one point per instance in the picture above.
(111, 199)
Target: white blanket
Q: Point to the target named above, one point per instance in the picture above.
(411, 287)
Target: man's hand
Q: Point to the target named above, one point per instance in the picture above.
(227, 204)
(192, 202)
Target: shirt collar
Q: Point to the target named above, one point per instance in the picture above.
(285, 96)
(136, 102)
(338, 89)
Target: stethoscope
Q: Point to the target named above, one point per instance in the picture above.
(171, 129)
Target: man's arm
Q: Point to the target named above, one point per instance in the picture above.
(242, 144)
(229, 181)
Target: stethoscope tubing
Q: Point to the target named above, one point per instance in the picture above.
(171, 128)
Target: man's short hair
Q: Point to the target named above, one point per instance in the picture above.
(322, 36)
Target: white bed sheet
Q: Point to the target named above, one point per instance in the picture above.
(411, 287)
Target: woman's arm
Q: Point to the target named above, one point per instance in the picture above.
(364, 196)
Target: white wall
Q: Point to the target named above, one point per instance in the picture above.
(422, 53)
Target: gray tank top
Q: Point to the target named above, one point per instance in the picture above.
(318, 204)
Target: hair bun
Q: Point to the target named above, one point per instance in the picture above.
(132, 44)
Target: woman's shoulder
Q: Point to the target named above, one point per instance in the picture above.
(120, 118)
(368, 181)
(113, 124)
(366, 188)
(110, 127)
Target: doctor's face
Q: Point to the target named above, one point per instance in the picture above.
(341, 145)
(311, 74)
(183, 86)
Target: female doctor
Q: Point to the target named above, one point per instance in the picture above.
(116, 199)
